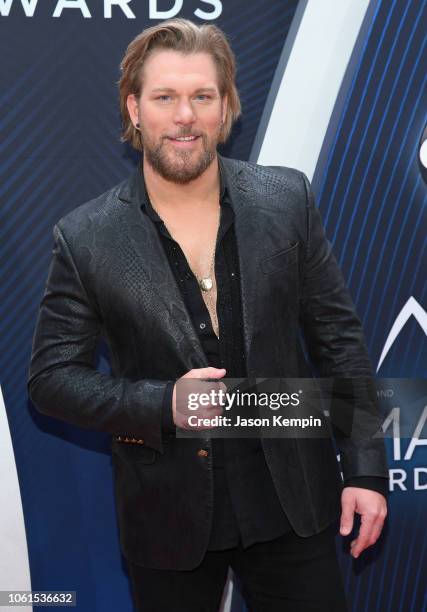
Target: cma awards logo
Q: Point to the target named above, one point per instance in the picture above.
(411, 309)
(399, 477)
(403, 478)
(122, 7)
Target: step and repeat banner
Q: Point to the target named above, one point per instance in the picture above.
(336, 89)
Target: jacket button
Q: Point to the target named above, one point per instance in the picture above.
(202, 452)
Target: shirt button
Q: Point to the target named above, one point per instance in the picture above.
(202, 325)
(233, 274)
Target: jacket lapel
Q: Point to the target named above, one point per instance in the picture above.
(154, 267)
(248, 229)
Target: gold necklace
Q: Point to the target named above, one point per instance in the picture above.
(206, 282)
(207, 285)
(210, 295)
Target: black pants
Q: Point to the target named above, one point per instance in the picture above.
(288, 574)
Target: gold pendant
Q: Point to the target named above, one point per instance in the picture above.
(205, 284)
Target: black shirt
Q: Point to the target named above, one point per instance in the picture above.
(246, 506)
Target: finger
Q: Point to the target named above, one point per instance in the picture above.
(347, 516)
(208, 372)
(374, 524)
(377, 526)
(212, 410)
(194, 384)
(215, 386)
(376, 531)
(362, 541)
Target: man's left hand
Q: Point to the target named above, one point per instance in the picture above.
(372, 507)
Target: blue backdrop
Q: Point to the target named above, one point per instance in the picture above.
(60, 146)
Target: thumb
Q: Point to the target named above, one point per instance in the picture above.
(347, 517)
(210, 372)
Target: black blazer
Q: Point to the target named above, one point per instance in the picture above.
(109, 276)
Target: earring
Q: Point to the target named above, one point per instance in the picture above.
(137, 126)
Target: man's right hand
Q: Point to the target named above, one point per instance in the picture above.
(197, 383)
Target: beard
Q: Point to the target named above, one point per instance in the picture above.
(179, 166)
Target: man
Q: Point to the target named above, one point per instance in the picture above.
(199, 267)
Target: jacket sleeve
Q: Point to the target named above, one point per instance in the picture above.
(336, 346)
(63, 380)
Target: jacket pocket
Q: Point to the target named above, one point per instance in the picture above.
(276, 262)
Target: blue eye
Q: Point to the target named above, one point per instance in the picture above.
(163, 98)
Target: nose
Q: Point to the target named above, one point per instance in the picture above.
(184, 112)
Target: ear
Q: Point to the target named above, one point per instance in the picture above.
(132, 106)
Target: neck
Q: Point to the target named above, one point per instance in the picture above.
(168, 195)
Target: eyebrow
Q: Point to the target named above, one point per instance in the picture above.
(171, 90)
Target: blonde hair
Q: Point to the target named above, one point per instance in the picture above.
(185, 37)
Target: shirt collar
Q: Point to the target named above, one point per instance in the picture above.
(147, 207)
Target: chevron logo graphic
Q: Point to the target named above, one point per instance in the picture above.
(411, 308)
